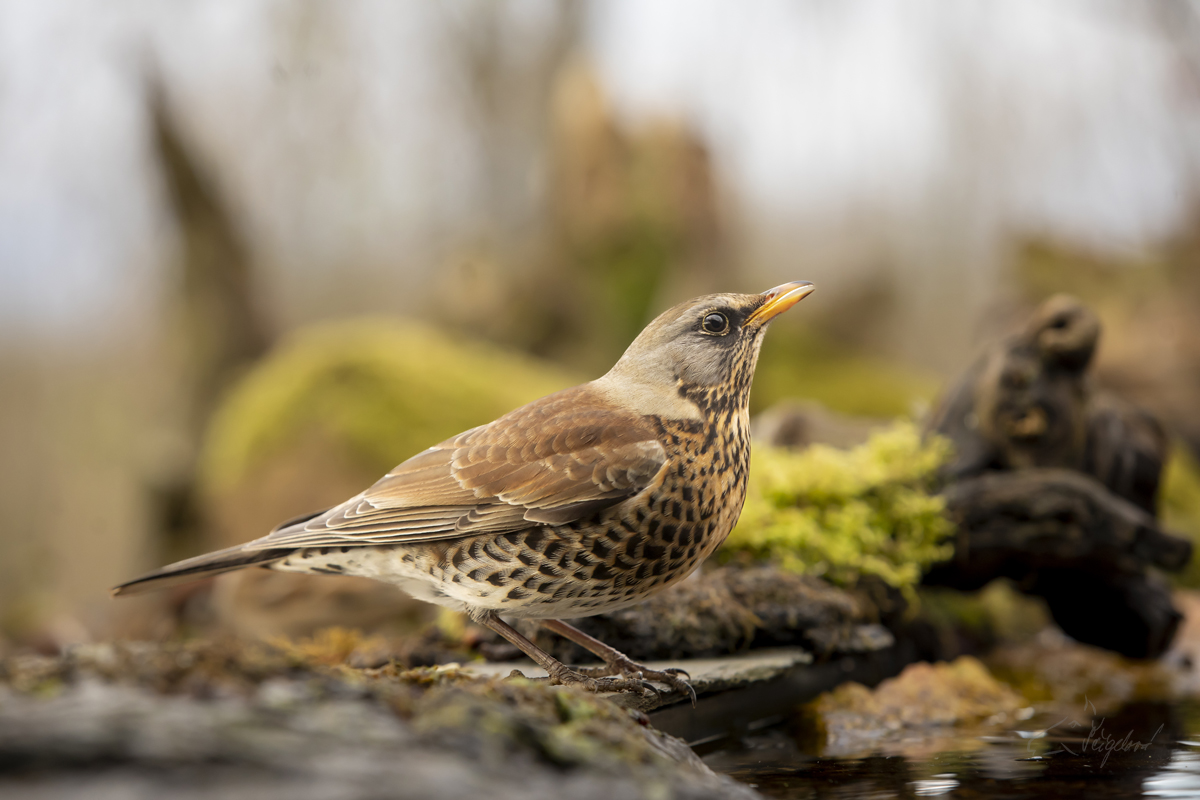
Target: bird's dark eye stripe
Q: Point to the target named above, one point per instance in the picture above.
(715, 322)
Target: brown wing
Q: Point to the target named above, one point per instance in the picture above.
(553, 461)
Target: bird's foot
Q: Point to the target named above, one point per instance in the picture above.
(601, 683)
(628, 668)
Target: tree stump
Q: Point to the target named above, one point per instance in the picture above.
(1055, 486)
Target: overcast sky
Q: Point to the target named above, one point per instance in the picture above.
(1074, 118)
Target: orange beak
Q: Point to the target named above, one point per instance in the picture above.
(779, 300)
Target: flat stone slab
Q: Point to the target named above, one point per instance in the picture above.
(708, 675)
(741, 692)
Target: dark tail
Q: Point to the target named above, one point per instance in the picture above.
(193, 569)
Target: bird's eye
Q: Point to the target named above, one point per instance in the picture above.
(715, 323)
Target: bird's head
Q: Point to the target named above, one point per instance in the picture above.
(702, 352)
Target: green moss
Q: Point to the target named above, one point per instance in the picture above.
(1180, 505)
(845, 513)
(383, 389)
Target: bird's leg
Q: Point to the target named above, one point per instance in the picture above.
(559, 672)
(617, 663)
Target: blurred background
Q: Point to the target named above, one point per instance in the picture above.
(252, 254)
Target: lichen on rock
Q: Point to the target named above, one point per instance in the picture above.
(144, 719)
(842, 514)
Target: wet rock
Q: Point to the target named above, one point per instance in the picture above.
(707, 676)
(923, 696)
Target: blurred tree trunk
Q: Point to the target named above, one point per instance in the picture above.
(584, 225)
(507, 93)
(218, 325)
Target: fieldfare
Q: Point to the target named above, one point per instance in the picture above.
(583, 502)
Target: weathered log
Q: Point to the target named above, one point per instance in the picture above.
(1027, 402)
(1064, 537)
(1055, 486)
(1022, 403)
(1013, 523)
(1126, 449)
(1130, 613)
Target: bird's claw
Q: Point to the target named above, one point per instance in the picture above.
(669, 676)
(605, 683)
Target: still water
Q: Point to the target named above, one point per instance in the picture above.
(1142, 750)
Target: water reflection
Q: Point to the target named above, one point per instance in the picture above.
(1144, 750)
(1181, 778)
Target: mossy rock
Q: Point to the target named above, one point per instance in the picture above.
(923, 696)
(301, 720)
(842, 514)
(380, 390)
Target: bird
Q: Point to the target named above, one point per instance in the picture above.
(583, 502)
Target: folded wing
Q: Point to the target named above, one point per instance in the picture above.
(556, 460)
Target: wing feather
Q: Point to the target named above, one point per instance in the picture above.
(556, 460)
